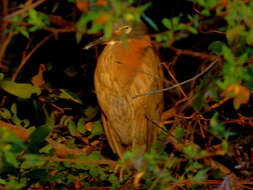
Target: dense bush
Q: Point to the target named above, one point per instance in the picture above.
(51, 136)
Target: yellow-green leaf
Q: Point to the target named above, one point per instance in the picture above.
(21, 90)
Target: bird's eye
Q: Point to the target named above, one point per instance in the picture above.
(127, 29)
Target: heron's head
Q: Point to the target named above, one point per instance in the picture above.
(121, 30)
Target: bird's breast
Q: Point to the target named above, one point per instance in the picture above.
(121, 61)
(124, 70)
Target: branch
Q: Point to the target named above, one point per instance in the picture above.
(177, 85)
(16, 13)
(27, 57)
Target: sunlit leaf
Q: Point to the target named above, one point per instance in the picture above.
(192, 30)
(233, 34)
(167, 23)
(191, 151)
(68, 95)
(249, 38)
(39, 134)
(97, 129)
(218, 129)
(179, 133)
(37, 19)
(11, 159)
(81, 126)
(201, 175)
(90, 113)
(21, 90)
(72, 128)
(2, 181)
(5, 113)
(32, 160)
(216, 47)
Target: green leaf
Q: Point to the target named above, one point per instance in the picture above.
(39, 134)
(192, 30)
(72, 128)
(37, 19)
(2, 181)
(4, 113)
(191, 151)
(228, 54)
(90, 113)
(17, 145)
(205, 12)
(216, 47)
(80, 126)
(46, 149)
(79, 36)
(179, 133)
(248, 77)
(14, 108)
(50, 118)
(94, 156)
(218, 129)
(15, 119)
(1, 76)
(68, 95)
(11, 159)
(85, 19)
(175, 21)
(167, 23)
(249, 37)
(201, 175)
(234, 34)
(15, 184)
(23, 31)
(107, 30)
(32, 160)
(97, 129)
(96, 28)
(24, 123)
(21, 90)
(225, 145)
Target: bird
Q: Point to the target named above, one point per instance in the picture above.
(128, 66)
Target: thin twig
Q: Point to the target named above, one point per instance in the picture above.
(99, 162)
(16, 13)
(196, 54)
(4, 46)
(5, 8)
(179, 84)
(23, 62)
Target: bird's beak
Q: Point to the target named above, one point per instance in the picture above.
(94, 43)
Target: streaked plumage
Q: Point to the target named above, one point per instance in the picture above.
(124, 69)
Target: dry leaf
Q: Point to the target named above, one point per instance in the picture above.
(239, 93)
(137, 179)
(95, 143)
(88, 126)
(82, 5)
(101, 20)
(169, 114)
(101, 2)
(38, 80)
